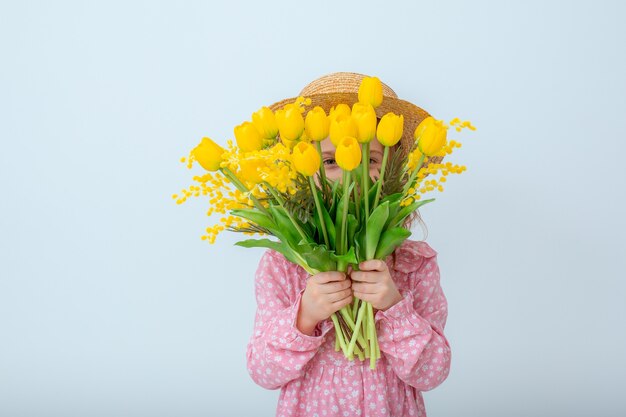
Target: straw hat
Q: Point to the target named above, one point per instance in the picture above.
(343, 87)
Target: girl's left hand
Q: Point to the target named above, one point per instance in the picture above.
(373, 283)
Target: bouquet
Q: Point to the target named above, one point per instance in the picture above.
(273, 183)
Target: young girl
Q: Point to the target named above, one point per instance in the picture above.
(293, 342)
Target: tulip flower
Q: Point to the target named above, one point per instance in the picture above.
(265, 122)
(317, 124)
(290, 122)
(208, 154)
(371, 91)
(431, 136)
(338, 110)
(342, 126)
(306, 159)
(365, 117)
(390, 129)
(248, 137)
(348, 153)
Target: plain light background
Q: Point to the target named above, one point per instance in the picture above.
(112, 305)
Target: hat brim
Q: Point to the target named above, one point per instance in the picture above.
(413, 115)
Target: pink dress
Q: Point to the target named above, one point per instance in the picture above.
(317, 381)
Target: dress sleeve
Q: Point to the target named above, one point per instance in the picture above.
(278, 351)
(410, 333)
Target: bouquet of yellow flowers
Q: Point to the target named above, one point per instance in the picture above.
(273, 183)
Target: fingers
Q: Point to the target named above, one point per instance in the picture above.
(365, 276)
(343, 302)
(340, 295)
(329, 276)
(370, 298)
(373, 265)
(335, 286)
(364, 288)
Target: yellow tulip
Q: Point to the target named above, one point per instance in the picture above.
(290, 122)
(390, 129)
(248, 137)
(431, 135)
(371, 91)
(316, 124)
(365, 117)
(338, 110)
(341, 127)
(265, 122)
(348, 153)
(208, 154)
(306, 159)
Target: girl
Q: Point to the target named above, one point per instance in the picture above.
(293, 342)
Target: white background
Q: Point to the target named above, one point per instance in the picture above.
(111, 305)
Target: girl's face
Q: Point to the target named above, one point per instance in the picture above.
(333, 171)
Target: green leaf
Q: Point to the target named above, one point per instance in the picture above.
(353, 223)
(405, 211)
(347, 258)
(285, 225)
(390, 240)
(277, 246)
(318, 257)
(359, 243)
(392, 198)
(330, 227)
(255, 216)
(345, 199)
(374, 227)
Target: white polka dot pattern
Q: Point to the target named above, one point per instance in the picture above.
(316, 380)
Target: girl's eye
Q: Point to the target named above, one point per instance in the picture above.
(329, 162)
(373, 161)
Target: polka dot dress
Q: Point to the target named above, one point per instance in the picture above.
(317, 381)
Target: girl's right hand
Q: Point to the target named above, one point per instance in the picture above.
(325, 293)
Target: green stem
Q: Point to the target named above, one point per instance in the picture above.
(342, 266)
(345, 312)
(319, 210)
(293, 221)
(372, 336)
(357, 200)
(339, 334)
(409, 183)
(322, 169)
(241, 187)
(357, 327)
(365, 177)
(381, 177)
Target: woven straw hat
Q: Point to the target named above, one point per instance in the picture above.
(343, 87)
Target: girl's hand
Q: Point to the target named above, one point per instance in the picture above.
(373, 283)
(325, 293)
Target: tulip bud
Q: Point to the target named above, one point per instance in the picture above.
(390, 129)
(364, 116)
(290, 122)
(338, 110)
(316, 124)
(265, 122)
(208, 154)
(371, 91)
(306, 159)
(341, 127)
(248, 137)
(348, 153)
(431, 135)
